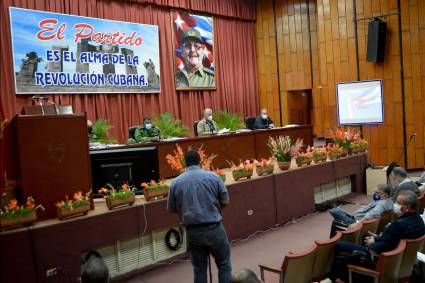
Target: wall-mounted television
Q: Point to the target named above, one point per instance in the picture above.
(360, 102)
(117, 166)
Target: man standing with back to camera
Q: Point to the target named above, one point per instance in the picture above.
(198, 196)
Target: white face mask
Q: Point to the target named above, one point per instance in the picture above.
(397, 209)
(210, 117)
(264, 116)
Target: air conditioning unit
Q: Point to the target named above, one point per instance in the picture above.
(332, 190)
(140, 251)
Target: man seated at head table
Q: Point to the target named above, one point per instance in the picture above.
(147, 131)
(408, 225)
(207, 126)
(263, 121)
(382, 203)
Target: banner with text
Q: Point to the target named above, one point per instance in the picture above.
(58, 53)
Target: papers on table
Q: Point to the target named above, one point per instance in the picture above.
(223, 131)
(290, 126)
(421, 257)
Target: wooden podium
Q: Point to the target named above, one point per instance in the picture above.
(53, 158)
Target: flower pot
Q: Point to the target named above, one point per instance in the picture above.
(63, 212)
(284, 165)
(333, 155)
(264, 170)
(118, 202)
(241, 174)
(303, 161)
(155, 193)
(344, 152)
(318, 159)
(7, 223)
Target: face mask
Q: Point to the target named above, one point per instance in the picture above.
(264, 116)
(210, 117)
(148, 126)
(397, 209)
(376, 197)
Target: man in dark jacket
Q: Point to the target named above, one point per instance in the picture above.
(399, 175)
(263, 121)
(408, 225)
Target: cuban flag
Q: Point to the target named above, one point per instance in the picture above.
(204, 25)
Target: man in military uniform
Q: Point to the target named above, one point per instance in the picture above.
(147, 132)
(207, 126)
(194, 74)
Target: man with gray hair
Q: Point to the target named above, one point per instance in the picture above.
(94, 269)
(399, 177)
(263, 121)
(207, 126)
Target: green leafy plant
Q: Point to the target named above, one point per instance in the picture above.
(99, 132)
(78, 200)
(13, 209)
(124, 192)
(229, 121)
(170, 126)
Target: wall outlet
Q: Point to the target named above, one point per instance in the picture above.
(250, 212)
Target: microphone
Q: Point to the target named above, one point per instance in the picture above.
(412, 136)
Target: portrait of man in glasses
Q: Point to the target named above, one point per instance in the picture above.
(193, 74)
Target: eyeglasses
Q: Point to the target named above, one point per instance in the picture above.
(189, 45)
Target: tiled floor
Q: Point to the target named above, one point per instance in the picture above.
(269, 247)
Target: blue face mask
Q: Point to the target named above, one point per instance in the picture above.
(376, 197)
(148, 126)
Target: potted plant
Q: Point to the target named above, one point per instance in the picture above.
(343, 137)
(364, 145)
(221, 174)
(283, 150)
(334, 151)
(264, 166)
(153, 190)
(226, 120)
(304, 158)
(118, 198)
(79, 205)
(176, 160)
(320, 154)
(355, 147)
(15, 215)
(170, 127)
(99, 132)
(243, 170)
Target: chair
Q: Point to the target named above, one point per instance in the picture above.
(250, 123)
(387, 268)
(131, 132)
(195, 127)
(409, 258)
(324, 257)
(370, 225)
(385, 218)
(352, 235)
(421, 203)
(296, 267)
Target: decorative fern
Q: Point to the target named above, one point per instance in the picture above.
(99, 132)
(170, 126)
(229, 121)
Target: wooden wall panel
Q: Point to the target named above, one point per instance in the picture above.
(333, 51)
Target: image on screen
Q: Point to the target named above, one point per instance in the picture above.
(360, 103)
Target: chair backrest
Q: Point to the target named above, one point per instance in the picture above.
(421, 203)
(370, 225)
(384, 220)
(298, 267)
(352, 235)
(250, 122)
(388, 264)
(409, 256)
(131, 132)
(325, 252)
(195, 128)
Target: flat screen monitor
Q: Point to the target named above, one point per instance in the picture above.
(123, 165)
(360, 102)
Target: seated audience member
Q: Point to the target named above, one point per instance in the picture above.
(408, 225)
(207, 125)
(402, 182)
(245, 276)
(382, 203)
(94, 269)
(147, 132)
(263, 121)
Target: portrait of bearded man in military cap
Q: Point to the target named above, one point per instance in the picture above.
(194, 61)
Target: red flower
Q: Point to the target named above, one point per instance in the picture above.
(144, 185)
(13, 204)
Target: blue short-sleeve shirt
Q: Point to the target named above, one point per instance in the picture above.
(196, 195)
